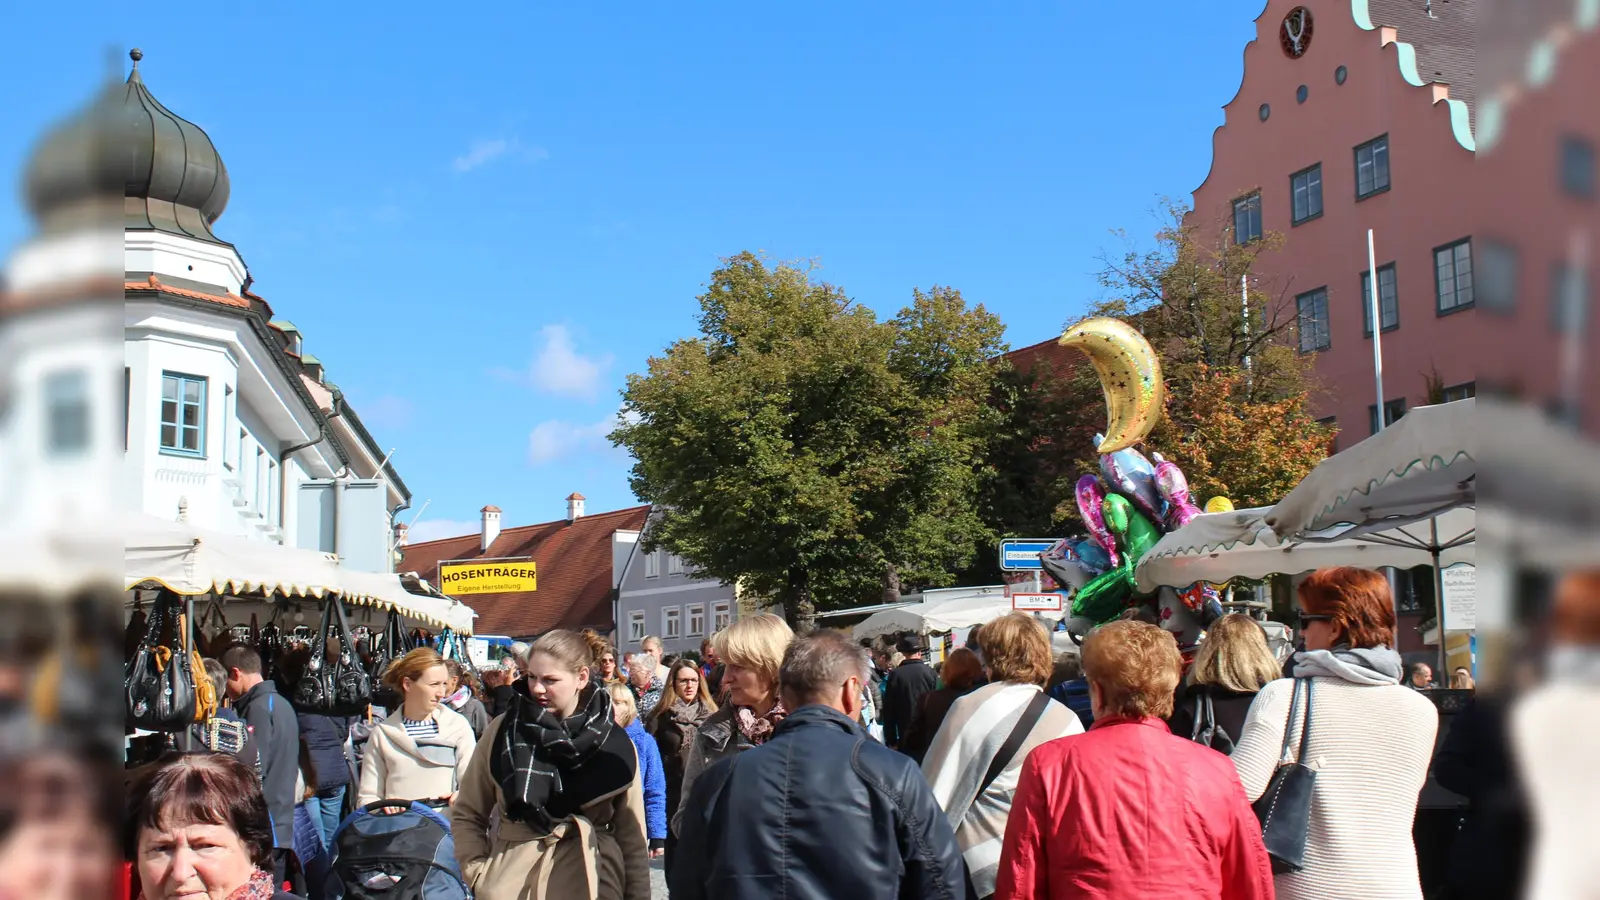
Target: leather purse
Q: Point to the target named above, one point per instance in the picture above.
(1285, 807)
(1206, 730)
(159, 681)
(338, 686)
(393, 644)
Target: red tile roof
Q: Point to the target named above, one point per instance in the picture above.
(154, 284)
(573, 560)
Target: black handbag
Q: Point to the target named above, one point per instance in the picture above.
(393, 644)
(1206, 730)
(159, 680)
(1285, 808)
(338, 686)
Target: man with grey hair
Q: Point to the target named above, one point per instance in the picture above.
(651, 645)
(820, 810)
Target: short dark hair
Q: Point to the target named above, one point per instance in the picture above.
(242, 658)
(819, 662)
(1418, 667)
(200, 788)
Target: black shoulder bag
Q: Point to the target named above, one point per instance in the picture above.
(1206, 730)
(1285, 808)
(337, 686)
(1031, 714)
(159, 680)
(394, 643)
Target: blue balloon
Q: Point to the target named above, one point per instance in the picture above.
(1093, 555)
(1130, 474)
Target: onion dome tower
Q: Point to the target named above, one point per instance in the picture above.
(126, 146)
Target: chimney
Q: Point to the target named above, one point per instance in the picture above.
(401, 529)
(491, 525)
(574, 507)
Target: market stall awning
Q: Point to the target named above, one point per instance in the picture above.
(1215, 547)
(1423, 464)
(191, 561)
(937, 616)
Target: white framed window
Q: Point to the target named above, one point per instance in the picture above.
(261, 482)
(652, 565)
(635, 626)
(674, 564)
(721, 615)
(183, 414)
(697, 619)
(66, 412)
(272, 491)
(671, 623)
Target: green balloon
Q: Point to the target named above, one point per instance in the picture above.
(1104, 598)
(1135, 534)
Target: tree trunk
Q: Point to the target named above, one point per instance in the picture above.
(891, 584)
(798, 607)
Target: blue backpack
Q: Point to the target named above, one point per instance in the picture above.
(408, 855)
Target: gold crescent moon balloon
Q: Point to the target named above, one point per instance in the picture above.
(1219, 504)
(1130, 376)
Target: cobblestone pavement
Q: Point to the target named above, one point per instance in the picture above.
(658, 881)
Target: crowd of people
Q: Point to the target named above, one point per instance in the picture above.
(812, 766)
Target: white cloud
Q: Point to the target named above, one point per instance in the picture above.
(558, 368)
(553, 440)
(435, 529)
(483, 152)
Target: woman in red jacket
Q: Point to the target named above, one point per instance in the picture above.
(1128, 809)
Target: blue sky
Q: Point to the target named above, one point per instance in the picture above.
(483, 222)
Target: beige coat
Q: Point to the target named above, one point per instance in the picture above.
(599, 855)
(397, 767)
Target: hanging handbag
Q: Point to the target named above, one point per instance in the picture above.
(337, 686)
(392, 645)
(159, 683)
(1206, 730)
(205, 693)
(211, 631)
(1285, 808)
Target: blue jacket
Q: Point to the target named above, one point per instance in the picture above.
(1075, 696)
(654, 779)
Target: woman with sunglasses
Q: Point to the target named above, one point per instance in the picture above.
(1370, 742)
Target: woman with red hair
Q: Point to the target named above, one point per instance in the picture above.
(1370, 740)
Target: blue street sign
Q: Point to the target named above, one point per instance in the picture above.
(1022, 554)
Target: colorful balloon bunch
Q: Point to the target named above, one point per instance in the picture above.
(1126, 509)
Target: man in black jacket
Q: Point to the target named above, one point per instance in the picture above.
(820, 811)
(276, 730)
(904, 690)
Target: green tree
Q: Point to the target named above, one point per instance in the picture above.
(806, 450)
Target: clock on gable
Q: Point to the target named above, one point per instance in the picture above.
(1295, 32)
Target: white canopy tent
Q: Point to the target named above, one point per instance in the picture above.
(1215, 547)
(189, 561)
(937, 615)
(1421, 465)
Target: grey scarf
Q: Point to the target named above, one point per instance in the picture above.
(1367, 666)
(1575, 665)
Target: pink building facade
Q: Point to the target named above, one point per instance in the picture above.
(1355, 115)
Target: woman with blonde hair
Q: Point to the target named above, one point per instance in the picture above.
(625, 710)
(421, 751)
(1231, 666)
(751, 651)
(977, 753)
(684, 708)
(552, 806)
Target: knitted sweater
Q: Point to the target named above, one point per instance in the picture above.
(967, 742)
(653, 779)
(1371, 746)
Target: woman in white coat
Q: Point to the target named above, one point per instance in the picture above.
(420, 752)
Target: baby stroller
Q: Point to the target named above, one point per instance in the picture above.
(406, 855)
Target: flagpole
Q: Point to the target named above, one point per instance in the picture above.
(1377, 324)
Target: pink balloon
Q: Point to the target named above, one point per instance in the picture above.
(1174, 488)
(1090, 497)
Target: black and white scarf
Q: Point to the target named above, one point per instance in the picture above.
(535, 745)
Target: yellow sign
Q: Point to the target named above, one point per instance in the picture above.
(457, 579)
